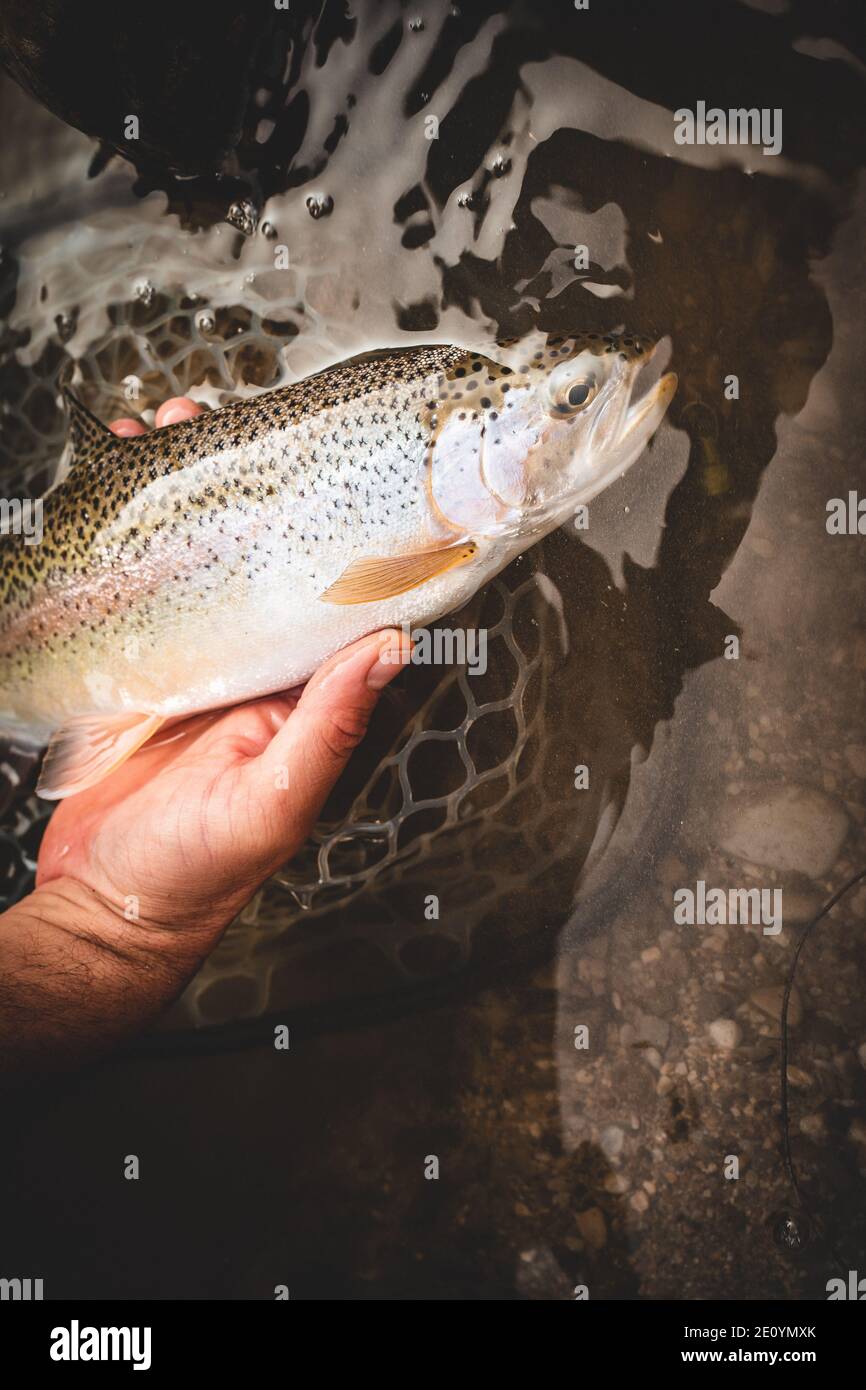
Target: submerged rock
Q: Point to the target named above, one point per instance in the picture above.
(592, 1227)
(611, 1141)
(769, 1001)
(786, 827)
(725, 1033)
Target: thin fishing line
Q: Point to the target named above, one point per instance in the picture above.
(783, 1050)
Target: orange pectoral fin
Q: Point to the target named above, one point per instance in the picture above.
(85, 750)
(380, 577)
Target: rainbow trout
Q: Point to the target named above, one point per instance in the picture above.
(226, 557)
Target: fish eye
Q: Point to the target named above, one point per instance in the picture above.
(574, 383)
(579, 393)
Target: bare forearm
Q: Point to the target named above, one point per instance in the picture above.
(76, 978)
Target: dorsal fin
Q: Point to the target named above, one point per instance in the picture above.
(85, 431)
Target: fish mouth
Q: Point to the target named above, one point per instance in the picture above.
(643, 418)
(639, 422)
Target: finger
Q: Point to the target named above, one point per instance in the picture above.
(126, 428)
(315, 743)
(178, 408)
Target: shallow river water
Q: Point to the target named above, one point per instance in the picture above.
(582, 1063)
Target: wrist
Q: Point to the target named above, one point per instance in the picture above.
(126, 926)
(77, 977)
(183, 923)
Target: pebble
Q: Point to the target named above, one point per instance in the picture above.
(617, 1184)
(769, 1001)
(799, 1078)
(785, 826)
(612, 1139)
(593, 1228)
(640, 1201)
(725, 1033)
(813, 1126)
(650, 1029)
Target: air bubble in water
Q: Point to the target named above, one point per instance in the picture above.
(205, 321)
(501, 166)
(269, 230)
(465, 200)
(243, 215)
(65, 326)
(144, 291)
(416, 25)
(790, 1231)
(320, 205)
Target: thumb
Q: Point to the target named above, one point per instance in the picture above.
(331, 718)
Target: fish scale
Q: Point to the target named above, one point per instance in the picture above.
(227, 556)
